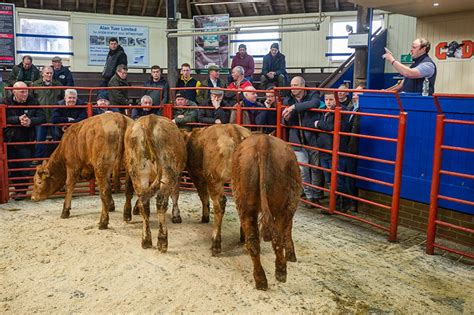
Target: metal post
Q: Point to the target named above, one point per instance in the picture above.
(90, 112)
(435, 181)
(335, 160)
(4, 195)
(397, 181)
(279, 104)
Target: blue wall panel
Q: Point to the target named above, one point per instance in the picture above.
(418, 161)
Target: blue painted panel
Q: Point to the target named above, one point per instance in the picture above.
(418, 160)
(376, 62)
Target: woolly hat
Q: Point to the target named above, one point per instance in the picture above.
(275, 45)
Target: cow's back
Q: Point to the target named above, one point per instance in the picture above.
(282, 178)
(95, 141)
(213, 148)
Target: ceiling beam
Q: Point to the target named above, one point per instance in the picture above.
(255, 8)
(226, 9)
(77, 5)
(25, 3)
(60, 4)
(302, 5)
(145, 4)
(336, 2)
(158, 10)
(287, 8)
(198, 10)
(241, 10)
(41, 4)
(129, 6)
(270, 7)
(112, 6)
(188, 9)
(94, 6)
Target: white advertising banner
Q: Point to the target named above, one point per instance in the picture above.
(133, 39)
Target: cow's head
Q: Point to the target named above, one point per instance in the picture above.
(44, 184)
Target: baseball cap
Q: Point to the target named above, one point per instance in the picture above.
(180, 94)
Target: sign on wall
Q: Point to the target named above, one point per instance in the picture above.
(133, 39)
(454, 50)
(211, 49)
(7, 34)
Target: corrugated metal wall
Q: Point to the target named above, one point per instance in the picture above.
(454, 75)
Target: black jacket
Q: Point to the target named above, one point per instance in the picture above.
(302, 116)
(20, 133)
(353, 126)
(277, 64)
(325, 140)
(156, 94)
(416, 85)
(209, 116)
(139, 112)
(61, 115)
(192, 82)
(114, 58)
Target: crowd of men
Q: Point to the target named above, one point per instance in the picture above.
(299, 111)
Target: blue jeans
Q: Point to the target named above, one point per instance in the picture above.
(308, 174)
(43, 150)
(326, 162)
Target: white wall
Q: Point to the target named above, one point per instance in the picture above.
(78, 29)
(454, 75)
(302, 49)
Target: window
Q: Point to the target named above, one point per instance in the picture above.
(42, 37)
(258, 44)
(339, 45)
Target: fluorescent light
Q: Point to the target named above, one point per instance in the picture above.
(435, 4)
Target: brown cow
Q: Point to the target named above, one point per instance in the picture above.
(266, 183)
(155, 156)
(209, 165)
(92, 147)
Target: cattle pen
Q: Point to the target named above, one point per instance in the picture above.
(50, 265)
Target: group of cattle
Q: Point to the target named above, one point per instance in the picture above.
(263, 170)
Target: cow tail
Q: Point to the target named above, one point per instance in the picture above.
(267, 221)
(155, 185)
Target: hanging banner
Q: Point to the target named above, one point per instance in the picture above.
(211, 49)
(7, 34)
(133, 39)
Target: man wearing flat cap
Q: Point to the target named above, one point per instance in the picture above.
(61, 73)
(274, 68)
(216, 115)
(244, 60)
(203, 96)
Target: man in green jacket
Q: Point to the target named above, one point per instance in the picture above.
(46, 97)
(25, 71)
(119, 96)
(183, 116)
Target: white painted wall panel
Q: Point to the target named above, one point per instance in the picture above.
(401, 33)
(454, 75)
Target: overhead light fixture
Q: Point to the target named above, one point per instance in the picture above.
(435, 4)
(227, 2)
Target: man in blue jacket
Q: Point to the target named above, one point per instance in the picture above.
(299, 114)
(274, 68)
(61, 73)
(69, 113)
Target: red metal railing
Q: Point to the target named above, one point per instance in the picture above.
(435, 196)
(88, 187)
(336, 153)
(280, 132)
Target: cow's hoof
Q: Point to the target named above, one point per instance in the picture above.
(261, 285)
(103, 226)
(280, 276)
(65, 215)
(216, 250)
(176, 219)
(127, 217)
(136, 211)
(146, 244)
(112, 209)
(205, 219)
(163, 244)
(291, 257)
